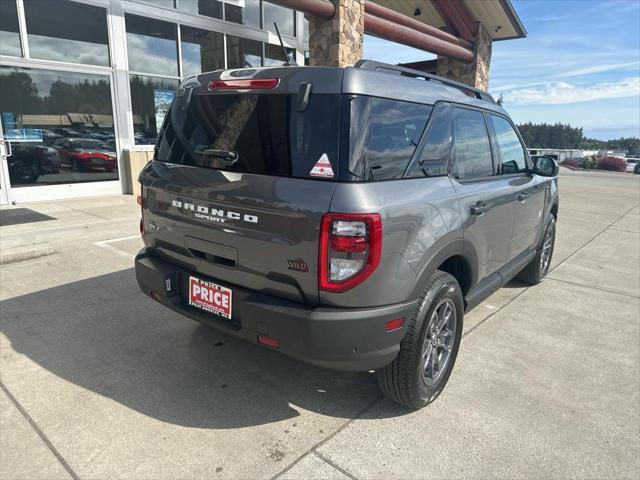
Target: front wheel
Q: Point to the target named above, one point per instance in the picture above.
(535, 272)
(429, 348)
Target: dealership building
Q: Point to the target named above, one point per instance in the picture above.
(85, 84)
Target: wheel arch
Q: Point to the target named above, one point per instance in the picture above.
(458, 258)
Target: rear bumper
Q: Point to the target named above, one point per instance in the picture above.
(336, 338)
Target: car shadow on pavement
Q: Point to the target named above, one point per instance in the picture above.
(103, 335)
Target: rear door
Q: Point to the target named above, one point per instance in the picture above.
(529, 189)
(485, 199)
(230, 194)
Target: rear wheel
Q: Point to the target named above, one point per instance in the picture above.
(429, 349)
(535, 272)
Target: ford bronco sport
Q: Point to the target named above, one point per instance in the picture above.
(347, 217)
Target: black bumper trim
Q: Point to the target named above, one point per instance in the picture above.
(341, 339)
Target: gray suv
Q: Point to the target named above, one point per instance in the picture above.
(347, 217)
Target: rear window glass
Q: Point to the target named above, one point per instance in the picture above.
(262, 134)
(384, 135)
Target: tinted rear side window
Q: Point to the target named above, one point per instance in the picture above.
(265, 132)
(472, 148)
(383, 136)
(433, 159)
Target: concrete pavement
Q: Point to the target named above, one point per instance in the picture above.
(100, 382)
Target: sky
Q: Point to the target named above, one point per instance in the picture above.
(580, 64)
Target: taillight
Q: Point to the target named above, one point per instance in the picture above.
(350, 249)
(243, 84)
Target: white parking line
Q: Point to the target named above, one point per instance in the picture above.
(106, 245)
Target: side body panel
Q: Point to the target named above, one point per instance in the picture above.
(420, 218)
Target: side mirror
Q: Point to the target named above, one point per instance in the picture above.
(545, 166)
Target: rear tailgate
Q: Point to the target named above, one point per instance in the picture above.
(230, 194)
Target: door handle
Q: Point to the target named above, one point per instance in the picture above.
(522, 196)
(480, 208)
(7, 148)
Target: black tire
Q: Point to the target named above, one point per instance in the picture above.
(537, 269)
(404, 381)
(75, 165)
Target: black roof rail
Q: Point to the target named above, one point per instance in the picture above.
(410, 72)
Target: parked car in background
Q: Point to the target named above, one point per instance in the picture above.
(49, 136)
(573, 161)
(85, 155)
(46, 158)
(631, 164)
(67, 132)
(636, 169)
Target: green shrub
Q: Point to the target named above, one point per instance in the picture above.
(590, 162)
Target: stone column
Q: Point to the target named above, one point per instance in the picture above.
(475, 73)
(337, 42)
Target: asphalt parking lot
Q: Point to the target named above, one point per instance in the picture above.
(97, 381)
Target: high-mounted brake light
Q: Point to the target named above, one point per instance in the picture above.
(350, 249)
(243, 84)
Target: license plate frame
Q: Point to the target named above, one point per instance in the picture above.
(210, 297)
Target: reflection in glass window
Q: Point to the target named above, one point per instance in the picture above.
(510, 149)
(208, 8)
(78, 34)
(9, 33)
(159, 3)
(472, 148)
(202, 50)
(273, 56)
(247, 15)
(152, 45)
(242, 52)
(150, 101)
(433, 160)
(60, 126)
(384, 135)
(285, 17)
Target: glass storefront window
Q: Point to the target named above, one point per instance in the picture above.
(152, 45)
(9, 33)
(284, 17)
(208, 8)
(247, 15)
(60, 126)
(202, 50)
(242, 52)
(158, 3)
(273, 56)
(150, 101)
(78, 34)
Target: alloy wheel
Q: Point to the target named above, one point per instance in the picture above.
(438, 342)
(547, 246)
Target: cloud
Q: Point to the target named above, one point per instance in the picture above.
(598, 69)
(563, 92)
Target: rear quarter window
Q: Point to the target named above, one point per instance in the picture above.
(383, 136)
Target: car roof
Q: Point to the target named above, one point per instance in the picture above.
(365, 78)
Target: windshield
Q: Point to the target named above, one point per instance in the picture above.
(263, 134)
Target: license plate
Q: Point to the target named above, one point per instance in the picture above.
(210, 297)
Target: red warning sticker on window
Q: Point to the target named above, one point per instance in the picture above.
(322, 168)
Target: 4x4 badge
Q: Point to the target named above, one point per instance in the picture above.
(297, 264)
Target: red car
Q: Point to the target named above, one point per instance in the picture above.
(85, 155)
